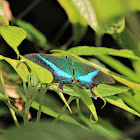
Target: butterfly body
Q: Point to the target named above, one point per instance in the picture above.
(66, 71)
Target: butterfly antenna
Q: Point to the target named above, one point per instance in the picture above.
(94, 95)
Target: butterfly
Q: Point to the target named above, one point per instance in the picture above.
(66, 71)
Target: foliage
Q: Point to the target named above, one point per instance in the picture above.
(104, 17)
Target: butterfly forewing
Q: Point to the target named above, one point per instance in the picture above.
(58, 66)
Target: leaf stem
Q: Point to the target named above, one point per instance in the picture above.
(27, 10)
(43, 91)
(61, 31)
(11, 108)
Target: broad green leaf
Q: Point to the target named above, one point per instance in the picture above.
(118, 66)
(108, 10)
(47, 130)
(33, 34)
(3, 97)
(125, 81)
(127, 40)
(4, 21)
(13, 36)
(103, 89)
(87, 11)
(42, 74)
(21, 69)
(78, 22)
(132, 100)
(108, 90)
(102, 127)
(87, 50)
(117, 101)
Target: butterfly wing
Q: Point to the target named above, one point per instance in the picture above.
(89, 76)
(58, 66)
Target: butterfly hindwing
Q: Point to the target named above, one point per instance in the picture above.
(89, 76)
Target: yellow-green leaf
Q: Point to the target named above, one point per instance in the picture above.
(21, 69)
(4, 21)
(13, 36)
(42, 74)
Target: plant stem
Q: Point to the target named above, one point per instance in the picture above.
(14, 117)
(27, 108)
(98, 40)
(31, 6)
(61, 31)
(27, 105)
(14, 109)
(43, 91)
(11, 108)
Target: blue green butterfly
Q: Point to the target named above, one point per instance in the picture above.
(66, 71)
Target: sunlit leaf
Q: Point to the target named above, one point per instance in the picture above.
(88, 50)
(42, 74)
(77, 20)
(4, 21)
(13, 36)
(21, 69)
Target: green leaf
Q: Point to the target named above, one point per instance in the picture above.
(103, 89)
(33, 34)
(117, 101)
(21, 69)
(88, 101)
(107, 11)
(127, 40)
(4, 21)
(132, 100)
(136, 66)
(118, 66)
(13, 36)
(108, 90)
(42, 74)
(87, 50)
(87, 11)
(47, 130)
(77, 20)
